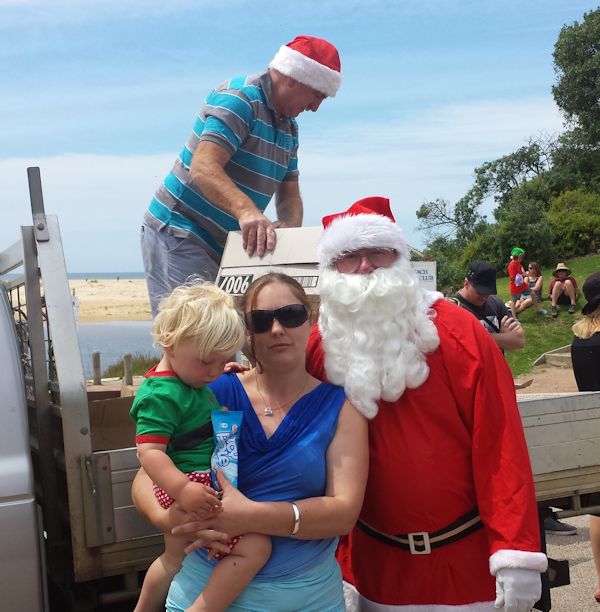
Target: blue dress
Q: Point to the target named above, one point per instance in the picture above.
(288, 466)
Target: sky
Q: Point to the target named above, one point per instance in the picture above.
(102, 94)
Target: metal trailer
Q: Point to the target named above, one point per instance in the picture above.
(95, 541)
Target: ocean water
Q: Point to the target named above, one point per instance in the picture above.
(112, 340)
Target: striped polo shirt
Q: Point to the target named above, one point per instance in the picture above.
(239, 116)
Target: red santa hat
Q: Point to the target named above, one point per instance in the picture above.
(310, 61)
(368, 223)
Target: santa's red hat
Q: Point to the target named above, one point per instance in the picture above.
(310, 61)
(368, 223)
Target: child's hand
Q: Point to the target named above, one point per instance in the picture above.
(234, 366)
(196, 497)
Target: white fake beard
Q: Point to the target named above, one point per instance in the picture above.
(376, 330)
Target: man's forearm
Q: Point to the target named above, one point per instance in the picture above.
(288, 204)
(219, 189)
(509, 341)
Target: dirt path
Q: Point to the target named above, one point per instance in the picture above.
(548, 379)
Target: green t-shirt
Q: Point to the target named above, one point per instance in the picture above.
(167, 411)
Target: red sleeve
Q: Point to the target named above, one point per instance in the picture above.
(315, 357)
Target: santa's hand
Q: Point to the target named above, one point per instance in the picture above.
(517, 589)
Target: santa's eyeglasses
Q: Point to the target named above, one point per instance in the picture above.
(378, 258)
(261, 321)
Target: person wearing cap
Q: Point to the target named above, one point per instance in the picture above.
(242, 151)
(449, 519)
(478, 296)
(585, 355)
(563, 290)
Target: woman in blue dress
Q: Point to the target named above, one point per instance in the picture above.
(303, 461)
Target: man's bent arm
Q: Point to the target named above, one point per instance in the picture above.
(288, 204)
(208, 173)
(511, 336)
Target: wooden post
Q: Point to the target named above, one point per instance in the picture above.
(128, 369)
(97, 380)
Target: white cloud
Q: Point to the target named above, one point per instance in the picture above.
(100, 200)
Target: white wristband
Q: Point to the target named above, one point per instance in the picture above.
(296, 518)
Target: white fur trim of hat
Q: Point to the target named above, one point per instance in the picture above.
(306, 70)
(349, 233)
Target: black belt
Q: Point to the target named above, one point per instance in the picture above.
(421, 542)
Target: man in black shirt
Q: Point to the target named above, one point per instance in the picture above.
(478, 296)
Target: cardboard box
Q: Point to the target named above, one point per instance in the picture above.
(110, 424)
(295, 255)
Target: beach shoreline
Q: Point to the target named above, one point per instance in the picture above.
(103, 300)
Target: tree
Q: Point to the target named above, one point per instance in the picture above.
(575, 220)
(577, 66)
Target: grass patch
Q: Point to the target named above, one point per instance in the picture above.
(544, 334)
(140, 364)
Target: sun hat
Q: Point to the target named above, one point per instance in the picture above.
(311, 61)
(591, 290)
(559, 267)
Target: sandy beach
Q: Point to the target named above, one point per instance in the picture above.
(111, 300)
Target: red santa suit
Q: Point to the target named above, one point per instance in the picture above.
(451, 446)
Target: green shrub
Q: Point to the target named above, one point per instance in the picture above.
(140, 364)
(575, 220)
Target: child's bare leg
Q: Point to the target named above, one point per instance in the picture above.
(233, 573)
(159, 575)
(513, 309)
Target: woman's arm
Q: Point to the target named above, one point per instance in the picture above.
(320, 517)
(539, 282)
(147, 505)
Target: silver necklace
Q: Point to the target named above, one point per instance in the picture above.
(268, 411)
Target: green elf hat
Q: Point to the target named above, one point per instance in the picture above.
(517, 251)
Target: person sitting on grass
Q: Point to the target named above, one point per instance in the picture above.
(198, 328)
(563, 290)
(535, 281)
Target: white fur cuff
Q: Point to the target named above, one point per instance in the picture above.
(520, 559)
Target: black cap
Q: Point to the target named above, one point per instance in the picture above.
(591, 290)
(482, 275)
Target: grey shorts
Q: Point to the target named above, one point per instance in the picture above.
(170, 261)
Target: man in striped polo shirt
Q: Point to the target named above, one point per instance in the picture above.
(242, 151)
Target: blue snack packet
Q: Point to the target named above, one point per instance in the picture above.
(226, 433)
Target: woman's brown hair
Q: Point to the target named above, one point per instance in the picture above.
(248, 301)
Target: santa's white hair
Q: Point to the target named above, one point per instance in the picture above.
(377, 329)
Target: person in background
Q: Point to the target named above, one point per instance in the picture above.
(563, 290)
(585, 355)
(198, 328)
(449, 519)
(535, 280)
(303, 462)
(518, 286)
(243, 150)
(478, 296)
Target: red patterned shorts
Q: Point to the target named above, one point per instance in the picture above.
(166, 501)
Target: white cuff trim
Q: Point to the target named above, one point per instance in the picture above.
(520, 559)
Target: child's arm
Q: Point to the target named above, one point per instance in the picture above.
(191, 496)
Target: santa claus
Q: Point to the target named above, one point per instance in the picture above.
(449, 521)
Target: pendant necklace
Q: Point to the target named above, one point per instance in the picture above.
(268, 411)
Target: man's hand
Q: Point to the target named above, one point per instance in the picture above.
(258, 233)
(511, 335)
(517, 589)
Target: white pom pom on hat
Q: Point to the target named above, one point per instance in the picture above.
(311, 61)
(368, 223)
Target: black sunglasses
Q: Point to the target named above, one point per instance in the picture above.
(260, 321)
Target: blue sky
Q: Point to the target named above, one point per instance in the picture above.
(102, 95)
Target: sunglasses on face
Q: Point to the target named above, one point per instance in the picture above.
(261, 321)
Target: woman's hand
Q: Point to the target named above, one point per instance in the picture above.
(236, 517)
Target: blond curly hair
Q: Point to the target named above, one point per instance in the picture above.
(201, 312)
